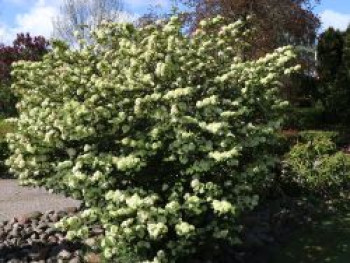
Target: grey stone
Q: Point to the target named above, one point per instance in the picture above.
(91, 242)
(92, 258)
(59, 236)
(12, 221)
(97, 230)
(52, 239)
(61, 214)
(70, 209)
(2, 234)
(64, 254)
(42, 226)
(23, 219)
(34, 236)
(43, 237)
(51, 231)
(38, 230)
(28, 230)
(7, 228)
(34, 222)
(54, 218)
(34, 215)
(75, 260)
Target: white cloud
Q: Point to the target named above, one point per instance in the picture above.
(37, 21)
(334, 19)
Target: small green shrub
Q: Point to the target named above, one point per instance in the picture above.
(318, 136)
(315, 163)
(321, 140)
(164, 137)
(335, 169)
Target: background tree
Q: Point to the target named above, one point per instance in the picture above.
(334, 74)
(278, 22)
(84, 15)
(330, 54)
(24, 47)
(346, 50)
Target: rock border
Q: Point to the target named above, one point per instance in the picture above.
(33, 238)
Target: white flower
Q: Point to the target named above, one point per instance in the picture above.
(177, 93)
(127, 162)
(222, 207)
(172, 206)
(195, 183)
(184, 229)
(157, 230)
(96, 176)
(214, 127)
(212, 100)
(71, 152)
(134, 201)
(225, 155)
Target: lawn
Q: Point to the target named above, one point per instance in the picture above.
(327, 240)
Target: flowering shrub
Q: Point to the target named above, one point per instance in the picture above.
(163, 136)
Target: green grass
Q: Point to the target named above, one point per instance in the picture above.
(327, 240)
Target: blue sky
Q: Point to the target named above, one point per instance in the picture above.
(35, 16)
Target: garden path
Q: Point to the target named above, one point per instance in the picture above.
(16, 200)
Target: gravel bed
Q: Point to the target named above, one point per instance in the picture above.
(33, 238)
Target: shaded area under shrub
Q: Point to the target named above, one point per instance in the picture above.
(5, 127)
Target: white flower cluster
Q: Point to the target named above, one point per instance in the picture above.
(157, 230)
(155, 131)
(222, 207)
(184, 229)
